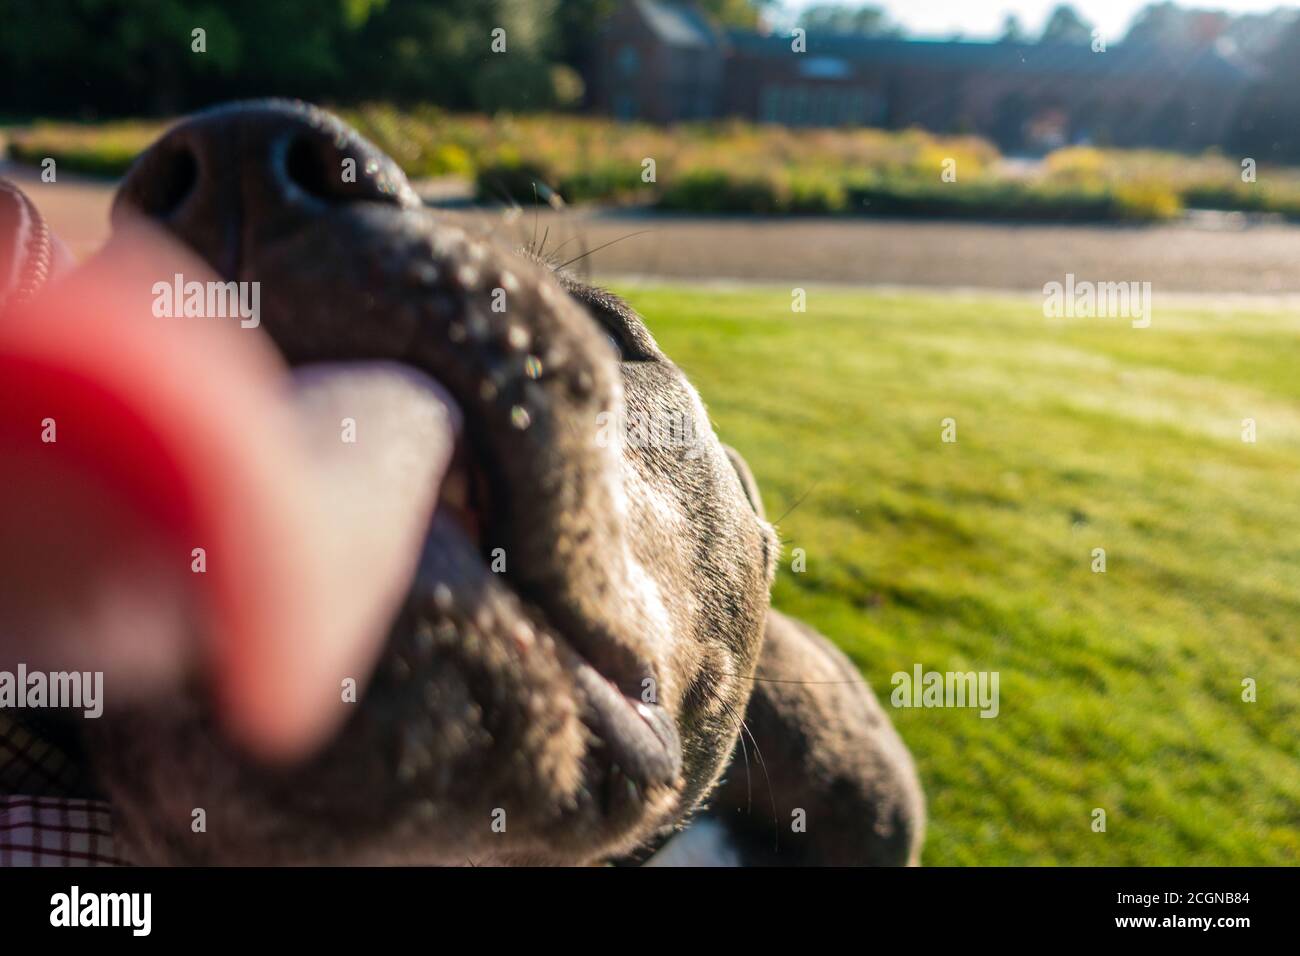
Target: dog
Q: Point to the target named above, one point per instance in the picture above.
(586, 633)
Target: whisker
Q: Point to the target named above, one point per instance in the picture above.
(502, 195)
(630, 235)
(776, 821)
(811, 683)
(744, 751)
(749, 777)
(536, 215)
(562, 245)
(810, 490)
(758, 753)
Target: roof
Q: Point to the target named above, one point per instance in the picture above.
(1024, 58)
(678, 24)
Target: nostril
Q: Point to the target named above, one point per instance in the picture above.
(337, 171)
(174, 175)
(306, 167)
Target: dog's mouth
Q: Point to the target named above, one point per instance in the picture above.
(635, 739)
(491, 610)
(464, 590)
(468, 572)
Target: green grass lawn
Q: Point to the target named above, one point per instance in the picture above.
(1119, 690)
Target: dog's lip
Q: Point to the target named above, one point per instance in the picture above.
(639, 738)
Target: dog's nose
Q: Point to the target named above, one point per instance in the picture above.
(222, 176)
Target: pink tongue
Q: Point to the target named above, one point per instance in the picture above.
(163, 478)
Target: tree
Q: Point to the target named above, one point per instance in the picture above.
(845, 18)
(1013, 31)
(1064, 25)
(437, 50)
(113, 56)
(1160, 24)
(1267, 125)
(733, 13)
(106, 57)
(576, 23)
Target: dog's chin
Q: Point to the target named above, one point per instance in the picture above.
(481, 738)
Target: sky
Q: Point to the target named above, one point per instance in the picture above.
(983, 18)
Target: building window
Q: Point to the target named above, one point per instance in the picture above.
(823, 68)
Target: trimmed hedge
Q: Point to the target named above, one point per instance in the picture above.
(740, 168)
(1016, 201)
(717, 191)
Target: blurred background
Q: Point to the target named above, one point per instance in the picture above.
(921, 169)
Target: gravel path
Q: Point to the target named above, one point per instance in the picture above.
(1218, 254)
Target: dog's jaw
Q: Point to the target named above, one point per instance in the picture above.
(562, 712)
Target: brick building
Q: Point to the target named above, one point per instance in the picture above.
(666, 62)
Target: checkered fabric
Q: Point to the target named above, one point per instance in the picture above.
(56, 831)
(47, 816)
